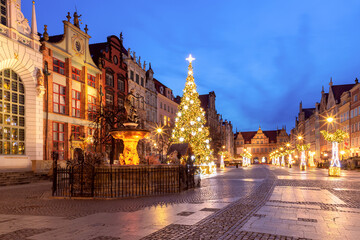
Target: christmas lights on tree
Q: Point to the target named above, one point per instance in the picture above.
(335, 138)
(190, 121)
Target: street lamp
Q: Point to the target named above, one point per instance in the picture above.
(159, 131)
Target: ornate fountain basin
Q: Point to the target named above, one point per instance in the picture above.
(130, 138)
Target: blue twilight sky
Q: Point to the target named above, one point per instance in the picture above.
(260, 57)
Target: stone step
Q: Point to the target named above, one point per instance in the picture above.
(16, 178)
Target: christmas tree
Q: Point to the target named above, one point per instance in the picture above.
(190, 121)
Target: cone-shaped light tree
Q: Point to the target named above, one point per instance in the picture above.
(190, 121)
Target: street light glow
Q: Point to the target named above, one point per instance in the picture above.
(300, 137)
(159, 130)
(330, 119)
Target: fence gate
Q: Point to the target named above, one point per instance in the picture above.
(82, 180)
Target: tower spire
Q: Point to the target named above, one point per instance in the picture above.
(34, 31)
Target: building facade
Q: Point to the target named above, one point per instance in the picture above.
(167, 107)
(21, 136)
(108, 57)
(341, 102)
(221, 131)
(260, 143)
(73, 83)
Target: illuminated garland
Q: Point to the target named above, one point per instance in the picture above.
(339, 136)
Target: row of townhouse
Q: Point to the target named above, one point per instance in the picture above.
(342, 102)
(52, 86)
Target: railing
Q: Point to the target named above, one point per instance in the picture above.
(84, 180)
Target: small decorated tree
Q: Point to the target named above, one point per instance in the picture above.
(335, 138)
(302, 148)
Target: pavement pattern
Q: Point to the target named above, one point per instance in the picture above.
(257, 202)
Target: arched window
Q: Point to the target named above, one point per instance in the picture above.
(12, 113)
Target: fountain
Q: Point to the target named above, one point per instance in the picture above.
(130, 134)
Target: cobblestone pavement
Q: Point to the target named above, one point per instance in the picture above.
(259, 202)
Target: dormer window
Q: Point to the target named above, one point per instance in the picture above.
(3, 12)
(161, 90)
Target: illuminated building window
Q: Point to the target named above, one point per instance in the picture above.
(12, 114)
(91, 80)
(76, 132)
(59, 98)
(75, 73)
(91, 107)
(59, 66)
(75, 103)
(59, 139)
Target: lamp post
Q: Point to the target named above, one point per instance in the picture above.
(159, 132)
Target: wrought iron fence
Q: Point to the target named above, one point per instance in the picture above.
(85, 180)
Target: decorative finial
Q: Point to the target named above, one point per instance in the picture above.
(322, 90)
(86, 28)
(45, 34)
(149, 65)
(144, 66)
(68, 17)
(139, 61)
(190, 59)
(33, 2)
(121, 37)
(356, 80)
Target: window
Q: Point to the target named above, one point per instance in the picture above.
(3, 12)
(137, 78)
(109, 98)
(121, 84)
(59, 66)
(91, 107)
(120, 102)
(115, 59)
(91, 80)
(75, 103)
(165, 122)
(132, 75)
(75, 132)
(168, 108)
(142, 81)
(59, 139)
(351, 113)
(75, 73)
(355, 112)
(160, 104)
(164, 106)
(59, 98)
(355, 97)
(12, 113)
(109, 80)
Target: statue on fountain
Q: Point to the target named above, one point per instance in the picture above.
(130, 107)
